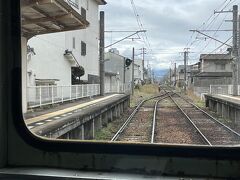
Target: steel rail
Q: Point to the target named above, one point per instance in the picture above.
(154, 121)
(194, 125)
(154, 118)
(211, 117)
(122, 128)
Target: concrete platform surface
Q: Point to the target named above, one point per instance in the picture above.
(226, 106)
(72, 116)
(59, 111)
(226, 98)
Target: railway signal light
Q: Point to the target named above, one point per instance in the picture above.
(128, 62)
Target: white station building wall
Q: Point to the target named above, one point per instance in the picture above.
(49, 62)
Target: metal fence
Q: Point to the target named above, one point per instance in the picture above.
(223, 89)
(38, 96)
(118, 88)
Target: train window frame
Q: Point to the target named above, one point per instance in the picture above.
(85, 147)
(100, 147)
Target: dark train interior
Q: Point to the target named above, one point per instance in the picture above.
(26, 156)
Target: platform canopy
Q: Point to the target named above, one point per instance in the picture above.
(49, 16)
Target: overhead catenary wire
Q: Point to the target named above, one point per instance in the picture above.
(205, 23)
(209, 22)
(226, 4)
(214, 33)
(218, 48)
(140, 25)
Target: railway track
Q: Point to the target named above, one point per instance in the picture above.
(172, 126)
(212, 131)
(137, 128)
(180, 122)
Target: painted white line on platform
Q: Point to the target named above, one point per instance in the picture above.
(228, 96)
(57, 113)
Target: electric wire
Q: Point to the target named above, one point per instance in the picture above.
(209, 26)
(140, 25)
(212, 19)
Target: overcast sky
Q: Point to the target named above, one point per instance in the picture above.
(168, 23)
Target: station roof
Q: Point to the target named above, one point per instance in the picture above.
(49, 16)
(215, 57)
(110, 73)
(101, 2)
(214, 74)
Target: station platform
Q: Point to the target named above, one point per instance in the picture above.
(77, 120)
(226, 106)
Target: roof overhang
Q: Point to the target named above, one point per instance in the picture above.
(111, 74)
(101, 2)
(214, 74)
(49, 16)
(215, 57)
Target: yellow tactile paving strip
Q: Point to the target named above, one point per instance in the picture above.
(63, 111)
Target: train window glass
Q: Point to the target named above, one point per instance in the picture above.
(145, 78)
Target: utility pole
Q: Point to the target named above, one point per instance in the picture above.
(238, 67)
(175, 72)
(143, 64)
(101, 53)
(153, 77)
(170, 74)
(185, 71)
(235, 50)
(124, 71)
(133, 54)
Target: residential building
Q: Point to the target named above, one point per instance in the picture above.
(214, 69)
(58, 54)
(111, 82)
(45, 40)
(138, 71)
(180, 76)
(194, 69)
(115, 63)
(118, 74)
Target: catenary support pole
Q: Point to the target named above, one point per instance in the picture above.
(238, 67)
(235, 50)
(235, 53)
(124, 72)
(101, 54)
(175, 73)
(185, 71)
(143, 63)
(170, 76)
(133, 54)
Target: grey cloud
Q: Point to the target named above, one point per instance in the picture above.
(168, 22)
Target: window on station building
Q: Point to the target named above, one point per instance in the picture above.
(83, 48)
(83, 13)
(73, 42)
(220, 67)
(74, 3)
(87, 4)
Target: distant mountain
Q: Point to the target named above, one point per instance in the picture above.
(160, 72)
